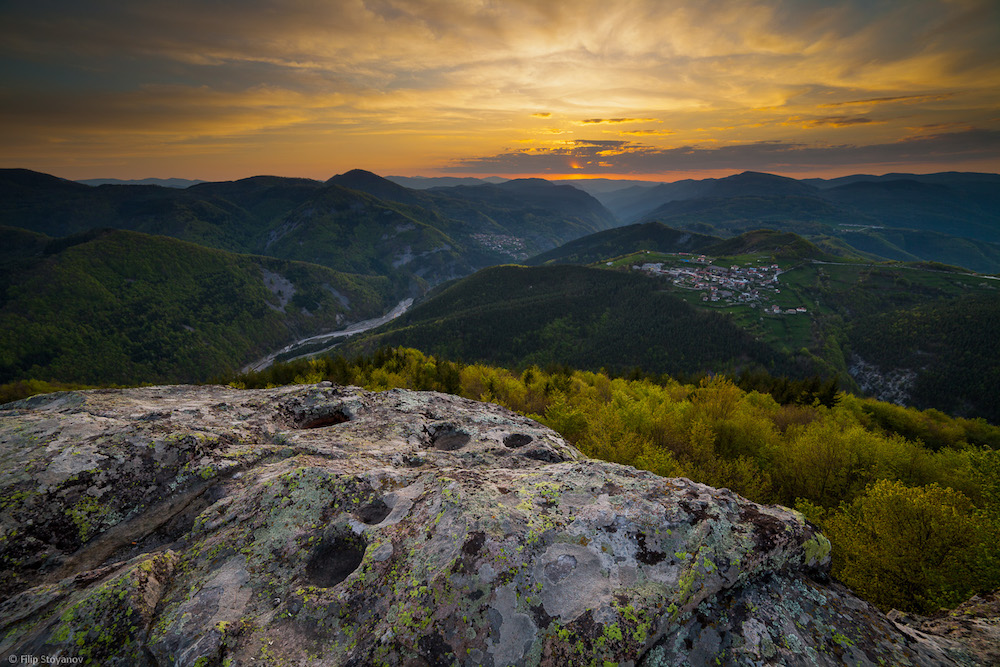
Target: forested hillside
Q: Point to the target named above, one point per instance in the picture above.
(623, 240)
(535, 212)
(615, 316)
(587, 318)
(945, 351)
(119, 307)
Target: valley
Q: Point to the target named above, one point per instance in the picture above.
(718, 293)
(319, 343)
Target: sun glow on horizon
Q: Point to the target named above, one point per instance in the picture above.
(641, 91)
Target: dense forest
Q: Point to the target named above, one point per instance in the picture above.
(118, 307)
(910, 500)
(953, 343)
(586, 318)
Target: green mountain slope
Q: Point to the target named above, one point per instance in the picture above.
(112, 306)
(583, 317)
(658, 238)
(847, 304)
(359, 233)
(623, 240)
(941, 354)
(535, 212)
(725, 216)
(935, 207)
(779, 245)
(909, 245)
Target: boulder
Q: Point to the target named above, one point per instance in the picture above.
(327, 525)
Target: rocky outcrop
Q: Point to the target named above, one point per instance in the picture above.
(329, 525)
(893, 386)
(972, 628)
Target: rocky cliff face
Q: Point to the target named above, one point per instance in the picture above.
(329, 525)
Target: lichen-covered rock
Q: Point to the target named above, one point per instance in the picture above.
(329, 525)
(972, 628)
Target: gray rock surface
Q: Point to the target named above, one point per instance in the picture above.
(324, 525)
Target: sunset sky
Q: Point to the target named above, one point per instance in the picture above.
(656, 89)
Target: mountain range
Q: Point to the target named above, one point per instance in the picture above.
(141, 283)
(356, 222)
(302, 256)
(951, 217)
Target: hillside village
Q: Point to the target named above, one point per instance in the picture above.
(502, 243)
(747, 285)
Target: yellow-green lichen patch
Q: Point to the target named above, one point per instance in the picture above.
(87, 515)
(816, 550)
(111, 620)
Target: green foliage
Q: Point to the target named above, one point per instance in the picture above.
(912, 526)
(780, 245)
(15, 391)
(915, 548)
(126, 308)
(785, 390)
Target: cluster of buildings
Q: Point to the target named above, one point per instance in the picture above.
(749, 285)
(510, 245)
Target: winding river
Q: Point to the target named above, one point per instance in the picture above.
(357, 327)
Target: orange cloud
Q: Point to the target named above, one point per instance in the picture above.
(647, 133)
(905, 99)
(832, 121)
(598, 121)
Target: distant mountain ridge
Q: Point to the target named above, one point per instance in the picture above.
(893, 215)
(896, 215)
(425, 182)
(164, 182)
(355, 222)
